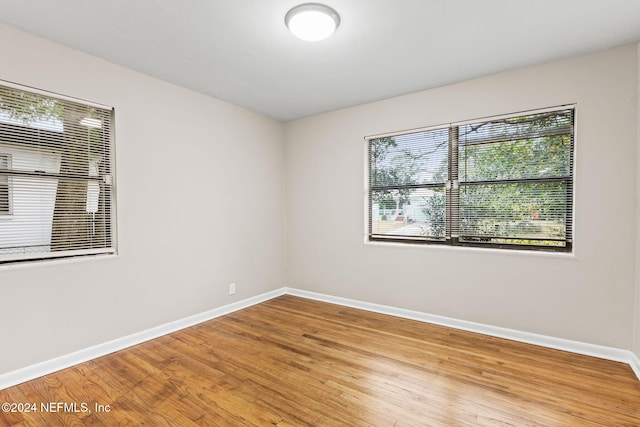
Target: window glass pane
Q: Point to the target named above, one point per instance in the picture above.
(521, 127)
(519, 159)
(30, 227)
(413, 158)
(412, 213)
(531, 146)
(524, 213)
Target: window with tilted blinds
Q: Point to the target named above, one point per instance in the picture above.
(56, 176)
(503, 182)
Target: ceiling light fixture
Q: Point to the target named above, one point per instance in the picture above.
(312, 21)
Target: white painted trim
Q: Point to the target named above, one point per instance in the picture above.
(634, 362)
(49, 94)
(594, 350)
(47, 367)
(28, 373)
(472, 121)
(487, 250)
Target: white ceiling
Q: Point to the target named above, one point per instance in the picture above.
(240, 50)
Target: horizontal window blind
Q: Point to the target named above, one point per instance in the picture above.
(56, 177)
(516, 180)
(504, 182)
(408, 173)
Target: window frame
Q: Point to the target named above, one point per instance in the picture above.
(453, 185)
(110, 247)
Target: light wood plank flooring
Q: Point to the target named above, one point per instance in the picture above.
(296, 362)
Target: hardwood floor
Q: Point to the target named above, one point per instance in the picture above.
(296, 362)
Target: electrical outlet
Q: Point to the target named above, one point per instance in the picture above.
(232, 288)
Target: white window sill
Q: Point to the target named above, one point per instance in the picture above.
(54, 261)
(496, 251)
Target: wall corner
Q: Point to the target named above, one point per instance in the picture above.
(636, 324)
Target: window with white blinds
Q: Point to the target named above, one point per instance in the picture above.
(56, 176)
(504, 182)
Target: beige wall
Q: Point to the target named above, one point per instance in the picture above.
(200, 186)
(588, 297)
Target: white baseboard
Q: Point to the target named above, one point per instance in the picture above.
(602, 352)
(47, 367)
(634, 362)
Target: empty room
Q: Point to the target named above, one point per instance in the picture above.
(347, 213)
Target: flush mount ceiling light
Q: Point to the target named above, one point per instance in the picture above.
(312, 21)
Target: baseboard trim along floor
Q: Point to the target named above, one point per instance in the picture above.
(40, 369)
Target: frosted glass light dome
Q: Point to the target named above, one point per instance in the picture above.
(312, 21)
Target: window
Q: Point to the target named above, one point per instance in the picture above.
(504, 182)
(5, 191)
(56, 176)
